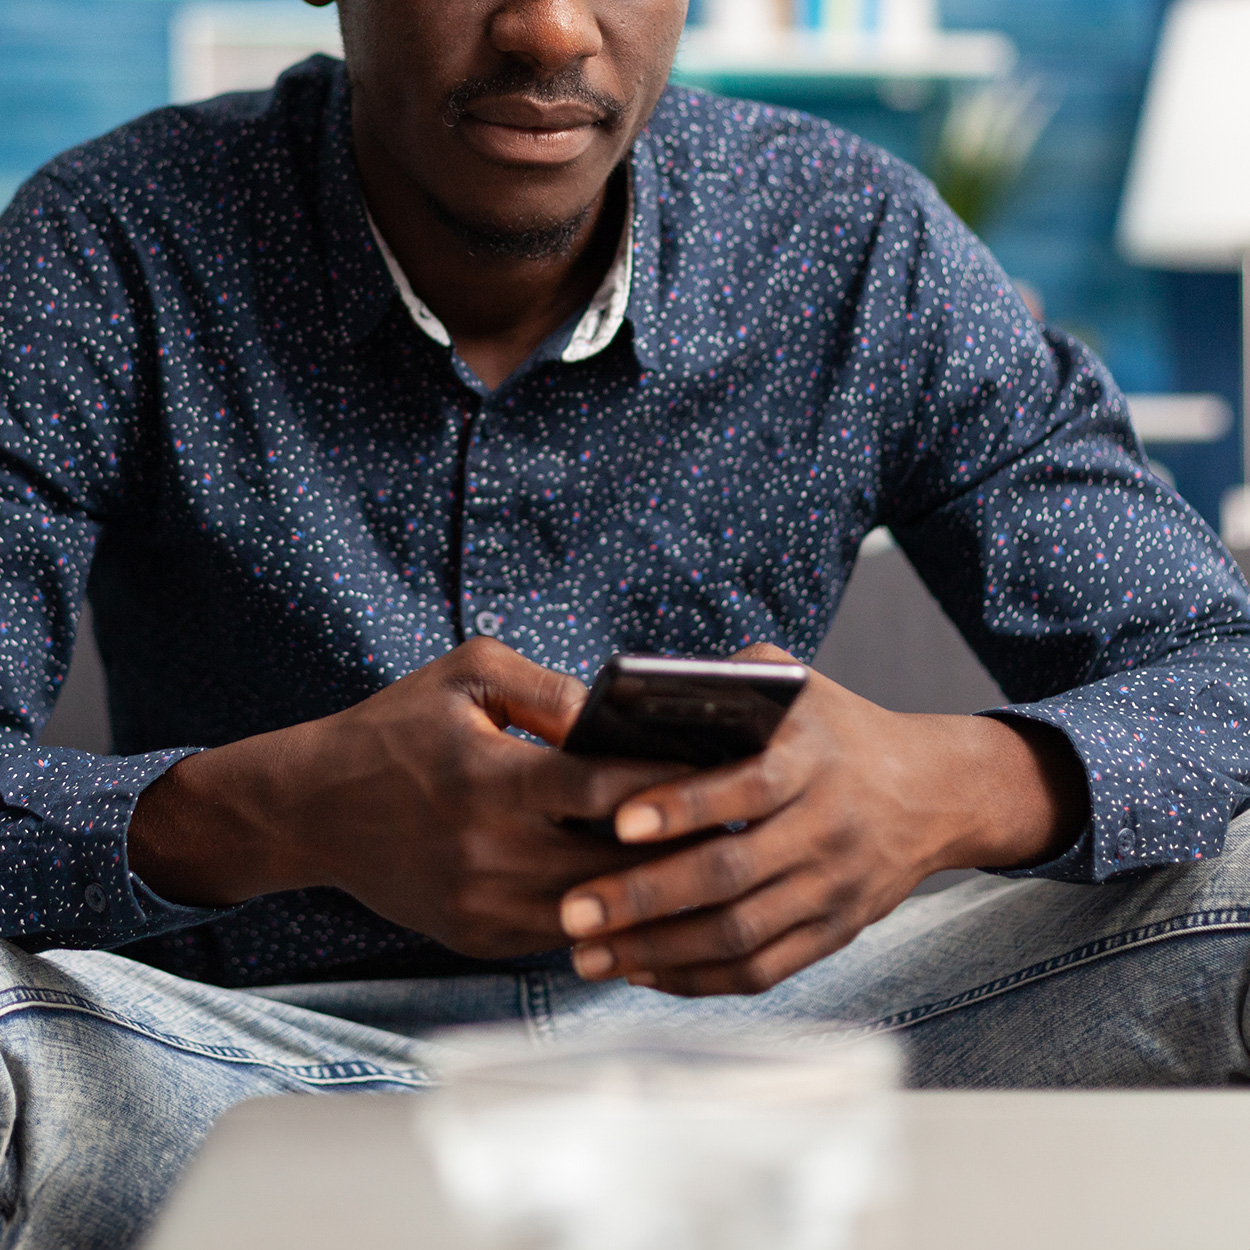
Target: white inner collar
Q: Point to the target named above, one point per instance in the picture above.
(599, 324)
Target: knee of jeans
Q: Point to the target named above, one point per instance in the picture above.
(21, 968)
(10, 1142)
(1245, 1017)
(18, 970)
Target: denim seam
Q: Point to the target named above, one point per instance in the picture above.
(536, 1004)
(1226, 919)
(351, 1072)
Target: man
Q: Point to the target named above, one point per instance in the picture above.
(372, 414)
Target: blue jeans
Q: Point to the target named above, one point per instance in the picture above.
(114, 1072)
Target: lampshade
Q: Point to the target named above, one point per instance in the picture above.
(1187, 201)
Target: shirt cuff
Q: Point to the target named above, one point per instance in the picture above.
(65, 880)
(1138, 817)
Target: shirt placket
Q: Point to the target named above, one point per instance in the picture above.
(488, 536)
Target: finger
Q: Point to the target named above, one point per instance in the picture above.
(715, 871)
(518, 797)
(538, 856)
(512, 690)
(764, 653)
(497, 922)
(734, 931)
(760, 971)
(748, 791)
(569, 785)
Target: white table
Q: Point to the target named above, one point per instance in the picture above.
(998, 1171)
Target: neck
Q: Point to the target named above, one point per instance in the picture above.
(497, 309)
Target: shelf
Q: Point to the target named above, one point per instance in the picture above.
(243, 45)
(942, 56)
(1180, 418)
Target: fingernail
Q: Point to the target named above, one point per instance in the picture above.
(582, 916)
(637, 824)
(644, 980)
(592, 962)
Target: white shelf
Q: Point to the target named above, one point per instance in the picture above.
(243, 45)
(939, 56)
(1180, 418)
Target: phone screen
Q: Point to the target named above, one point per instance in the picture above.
(701, 712)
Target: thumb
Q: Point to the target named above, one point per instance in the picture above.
(764, 653)
(514, 691)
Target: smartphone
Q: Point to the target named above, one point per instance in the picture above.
(701, 712)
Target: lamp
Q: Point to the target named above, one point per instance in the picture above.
(1187, 201)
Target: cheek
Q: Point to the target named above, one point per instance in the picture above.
(667, 22)
(389, 45)
(644, 39)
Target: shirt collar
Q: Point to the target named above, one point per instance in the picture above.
(605, 313)
(599, 324)
(417, 308)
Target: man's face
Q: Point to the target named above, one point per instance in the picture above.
(507, 115)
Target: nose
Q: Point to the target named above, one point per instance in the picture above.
(548, 35)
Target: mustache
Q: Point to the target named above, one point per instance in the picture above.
(569, 86)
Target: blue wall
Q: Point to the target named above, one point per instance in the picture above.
(1157, 331)
(72, 68)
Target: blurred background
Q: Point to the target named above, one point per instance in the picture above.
(1028, 114)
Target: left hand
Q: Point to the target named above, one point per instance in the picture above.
(846, 811)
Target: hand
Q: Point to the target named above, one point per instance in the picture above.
(416, 802)
(847, 810)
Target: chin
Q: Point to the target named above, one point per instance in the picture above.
(534, 238)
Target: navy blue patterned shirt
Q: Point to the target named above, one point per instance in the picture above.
(220, 422)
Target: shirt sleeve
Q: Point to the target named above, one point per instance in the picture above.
(1098, 599)
(72, 403)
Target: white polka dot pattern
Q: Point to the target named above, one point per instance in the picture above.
(217, 419)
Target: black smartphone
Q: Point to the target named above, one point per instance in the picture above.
(701, 712)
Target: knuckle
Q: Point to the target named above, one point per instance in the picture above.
(476, 857)
(697, 813)
(770, 780)
(729, 866)
(739, 934)
(596, 795)
(641, 950)
(566, 694)
(641, 897)
(828, 893)
(578, 788)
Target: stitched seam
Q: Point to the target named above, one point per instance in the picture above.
(1227, 920)
(350, 1072)
(536, 1003)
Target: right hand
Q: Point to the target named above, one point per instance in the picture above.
(415, 801)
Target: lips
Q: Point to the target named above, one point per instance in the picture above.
(519, 131)
(522, 113)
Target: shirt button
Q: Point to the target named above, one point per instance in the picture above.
(97, 900)
(1124, 843)
(488, 623)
